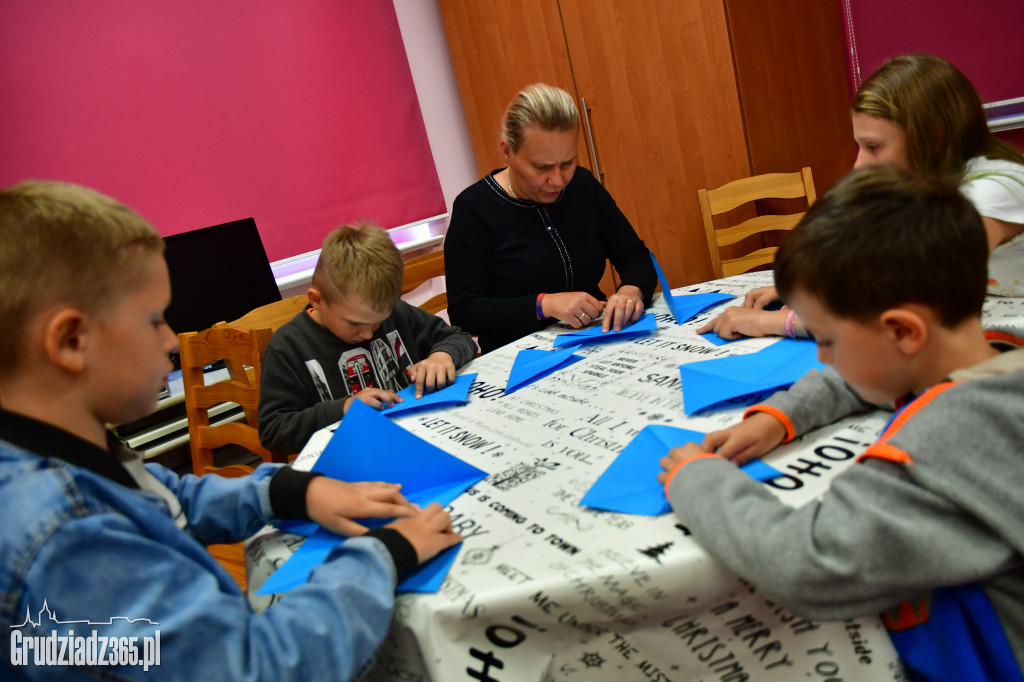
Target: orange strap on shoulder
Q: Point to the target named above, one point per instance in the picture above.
(881, 448)
(1003, 337)
(887, 452)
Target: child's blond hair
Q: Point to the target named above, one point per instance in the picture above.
(360, 260)
(61, 243)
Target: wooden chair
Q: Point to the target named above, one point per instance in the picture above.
(738, 192)
(271, 315)
(232, 556)
(420, 269)
(239, 349)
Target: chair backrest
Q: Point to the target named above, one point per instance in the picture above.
(270, 316)
(420, 269)
(242, 353)
(738, 192)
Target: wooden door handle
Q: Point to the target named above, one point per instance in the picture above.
(590, 139)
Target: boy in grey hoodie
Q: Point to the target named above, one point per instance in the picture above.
(888, 272)
(356, 340)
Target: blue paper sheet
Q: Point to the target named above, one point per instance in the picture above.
(710, 382)
(295, 572)
(630, 483)
(718, 340)
(367, 446)
(532, 364)
(686, 307)
(456, 393)
(642, 327)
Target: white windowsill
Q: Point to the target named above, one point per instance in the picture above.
(1005, 115)
(298, 270)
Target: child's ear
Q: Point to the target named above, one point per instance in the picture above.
(906, 327)
(316, 299)
(65, 339)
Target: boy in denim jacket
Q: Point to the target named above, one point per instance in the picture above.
(91, 534)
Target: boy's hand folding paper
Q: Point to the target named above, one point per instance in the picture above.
(368, 446)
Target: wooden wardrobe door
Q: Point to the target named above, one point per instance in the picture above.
(791, 70)
(499, 47)
(658, 79)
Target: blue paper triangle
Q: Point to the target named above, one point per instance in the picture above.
(367, 446)
(456, 393)
(630, 483)
(710, 382)
(532, 364)
(686, 307)
(646, 324)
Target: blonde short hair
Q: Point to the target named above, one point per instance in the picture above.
(360, 260)
(63, 244)
(541, 105)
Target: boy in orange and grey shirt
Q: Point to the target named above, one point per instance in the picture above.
(888, 272)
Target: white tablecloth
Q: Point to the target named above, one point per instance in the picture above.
(546, 590)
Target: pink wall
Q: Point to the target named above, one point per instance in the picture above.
(1014, 137)
(302, 115)
(985, 40)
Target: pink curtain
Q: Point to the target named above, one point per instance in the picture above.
(196, 112)
(985, 40)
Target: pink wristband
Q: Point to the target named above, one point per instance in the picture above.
(790, 316)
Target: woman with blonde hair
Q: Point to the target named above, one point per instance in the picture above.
(920, 112)
(528, 243)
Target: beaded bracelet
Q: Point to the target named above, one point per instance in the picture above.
(540, 309)
(790, 332)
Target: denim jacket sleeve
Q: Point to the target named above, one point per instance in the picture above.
(94, 551)
(222, 509)
(326, 628)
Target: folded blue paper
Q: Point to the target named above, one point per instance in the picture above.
(532, 364)
(369, 447)
(686, 307)
(630, 483)
(710, 382)
(456, 393)
(593, 334)
(718, 340)
(295, 571)
(689, 306)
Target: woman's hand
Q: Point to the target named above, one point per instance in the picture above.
(623, 309)
(575, 308)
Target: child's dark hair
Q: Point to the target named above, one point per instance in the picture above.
(883, 237)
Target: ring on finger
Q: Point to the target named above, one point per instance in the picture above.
(582, 315)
